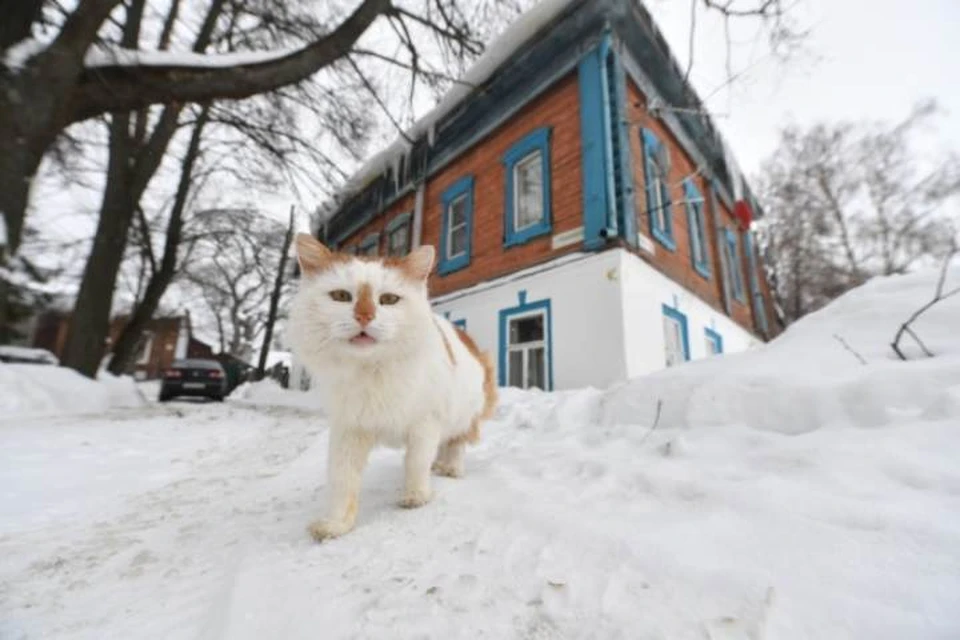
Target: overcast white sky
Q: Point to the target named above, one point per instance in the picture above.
(863, 60)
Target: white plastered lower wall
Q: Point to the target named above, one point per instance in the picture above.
(585, 303)
(645, 290)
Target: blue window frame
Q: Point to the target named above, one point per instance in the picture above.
(527, 213)
(457, 228)
(526, 344)
(732, 251)
(714, 342)
(699, 252)
(676, 337)
(656, 174)
(370, 245)
(398, 235)
(759, 307)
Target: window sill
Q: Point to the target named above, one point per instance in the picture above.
(668, 242)
(526, 235)
(447, 267)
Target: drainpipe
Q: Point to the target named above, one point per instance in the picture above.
(417, 231)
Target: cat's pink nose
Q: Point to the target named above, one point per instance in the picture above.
(363, 317)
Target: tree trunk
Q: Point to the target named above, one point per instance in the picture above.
(19, 160)
(275, 299)
(125, 351)
(90, 323)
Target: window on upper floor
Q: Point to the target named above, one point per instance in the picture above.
(731, 251)
(656, 171)
(370, 246)
(527, 167)
(456, 231)
(676, 340)
(753, 260)
(398, 235)
(693, 201)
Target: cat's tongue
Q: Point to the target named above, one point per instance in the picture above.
(362, 338)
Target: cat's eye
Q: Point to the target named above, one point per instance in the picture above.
(341, 295)
(389, 298)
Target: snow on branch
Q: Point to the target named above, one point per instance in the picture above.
(120, 57)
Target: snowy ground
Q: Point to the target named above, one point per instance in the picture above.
(788, 493)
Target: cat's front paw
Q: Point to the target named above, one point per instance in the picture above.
(414, 499)
(326, 529)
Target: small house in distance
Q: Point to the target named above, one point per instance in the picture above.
(590, 223)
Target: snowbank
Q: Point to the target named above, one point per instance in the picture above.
(269, 393)
(575, 519)
(28, 390)
(13, 353)
(812, 376)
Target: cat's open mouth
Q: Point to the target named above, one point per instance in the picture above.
(363, 338)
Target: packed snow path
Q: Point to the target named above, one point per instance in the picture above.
(188, 521)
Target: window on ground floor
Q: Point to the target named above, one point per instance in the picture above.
(714, 342)
(525, 345)
(676, 343)
(527, 358)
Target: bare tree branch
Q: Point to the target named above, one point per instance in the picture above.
(123, 88)
(938, 296)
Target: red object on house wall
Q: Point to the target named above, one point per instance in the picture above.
(743, 213)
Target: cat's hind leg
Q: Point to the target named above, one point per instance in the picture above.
(449, 460)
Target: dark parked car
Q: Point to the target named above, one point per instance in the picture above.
(204, 378)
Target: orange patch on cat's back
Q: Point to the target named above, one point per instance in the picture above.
(489, 383)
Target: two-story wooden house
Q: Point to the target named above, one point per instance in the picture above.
(589, 221)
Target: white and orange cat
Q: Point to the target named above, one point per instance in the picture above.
(393, 372)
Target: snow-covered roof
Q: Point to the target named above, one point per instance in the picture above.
(497, 53)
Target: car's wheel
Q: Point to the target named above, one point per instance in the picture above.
(164, 397)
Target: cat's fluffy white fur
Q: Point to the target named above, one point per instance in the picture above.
(393, 372)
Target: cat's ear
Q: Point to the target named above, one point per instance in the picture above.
(419, 262)
(313, 256)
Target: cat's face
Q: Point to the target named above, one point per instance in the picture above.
(357, 308)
